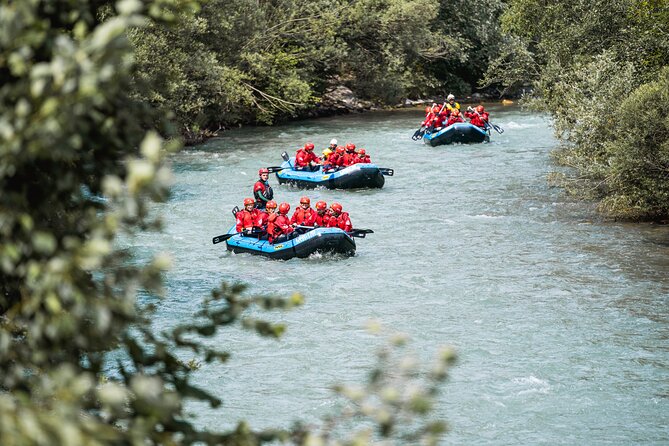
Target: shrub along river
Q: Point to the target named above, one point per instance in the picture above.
(560, 320)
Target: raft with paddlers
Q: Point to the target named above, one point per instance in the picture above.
(355, 176)
(323, 240)
(462, 132)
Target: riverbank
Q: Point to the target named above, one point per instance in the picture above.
(341, 100)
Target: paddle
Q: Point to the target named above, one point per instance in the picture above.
(224, 237)
(387, 171)
(361, 233)
(418, 134)
(497, 128)
(275, 169)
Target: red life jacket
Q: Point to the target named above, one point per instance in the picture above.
(453, 119)
(321, 220)
(245, 219)
(261, 219)
(342, 221)
(349, 158)
(278, 224)
(303, 216)
(476, 119)
(303, 158)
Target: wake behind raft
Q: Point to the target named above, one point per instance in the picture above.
(352, 177)
(323, 240)
(462, 132)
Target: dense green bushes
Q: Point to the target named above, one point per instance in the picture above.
(598, 69)
(246, 61)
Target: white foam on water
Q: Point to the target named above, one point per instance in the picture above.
(534, 384)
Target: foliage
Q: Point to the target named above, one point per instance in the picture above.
(245, 61)
(638, 182)
(584, 59)
(78, 168)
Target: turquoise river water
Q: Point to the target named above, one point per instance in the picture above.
(560, 320)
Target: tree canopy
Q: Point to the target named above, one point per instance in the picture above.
(584, 62)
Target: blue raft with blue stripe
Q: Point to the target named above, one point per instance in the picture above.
(462, 132)
(323, 240)
(352, 177)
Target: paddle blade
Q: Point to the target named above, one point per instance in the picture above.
(221, 238)
(275, 169)
(387, 171)
(360, 233)
(285, 156)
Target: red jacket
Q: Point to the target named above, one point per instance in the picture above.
(440, 119)
(365, 159)
(303, 217)
(477, 119)
(278, 224)
(349, 158)
(428, 120)
(453, 119)
(303, 158)
(246, 219)
(342, 221)
(322, 220)
(261, 219)
(335, 160)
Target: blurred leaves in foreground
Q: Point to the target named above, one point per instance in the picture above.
(81, 160)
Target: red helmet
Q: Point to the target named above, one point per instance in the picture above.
(263, 170)
(480, 109)
(350, 147)
(305, 200)
(321, 205)
(336, 207)
(309, 146)
(428, 109)
(361, 152)
(271, 204)
(284, 208)
(340, 149)
(248, 201)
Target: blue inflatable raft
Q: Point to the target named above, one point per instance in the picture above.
(462, 132)
(316, 240)
(351, 177)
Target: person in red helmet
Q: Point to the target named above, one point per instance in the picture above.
(363, 157)
(478, 116)
(455, 117)
(336, 160)
(438, 120)
(304, 215)
(322, 214)
(262, 191)
(350, 155)
(338, 218)
(429, 114)
(247, 217)
(306, 159)
(263, 217)
(278, 225)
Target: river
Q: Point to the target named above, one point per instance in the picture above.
(560, 319)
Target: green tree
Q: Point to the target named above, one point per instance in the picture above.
(78, 168)
(583, 60)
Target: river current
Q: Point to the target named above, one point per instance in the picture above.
(560, 319)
